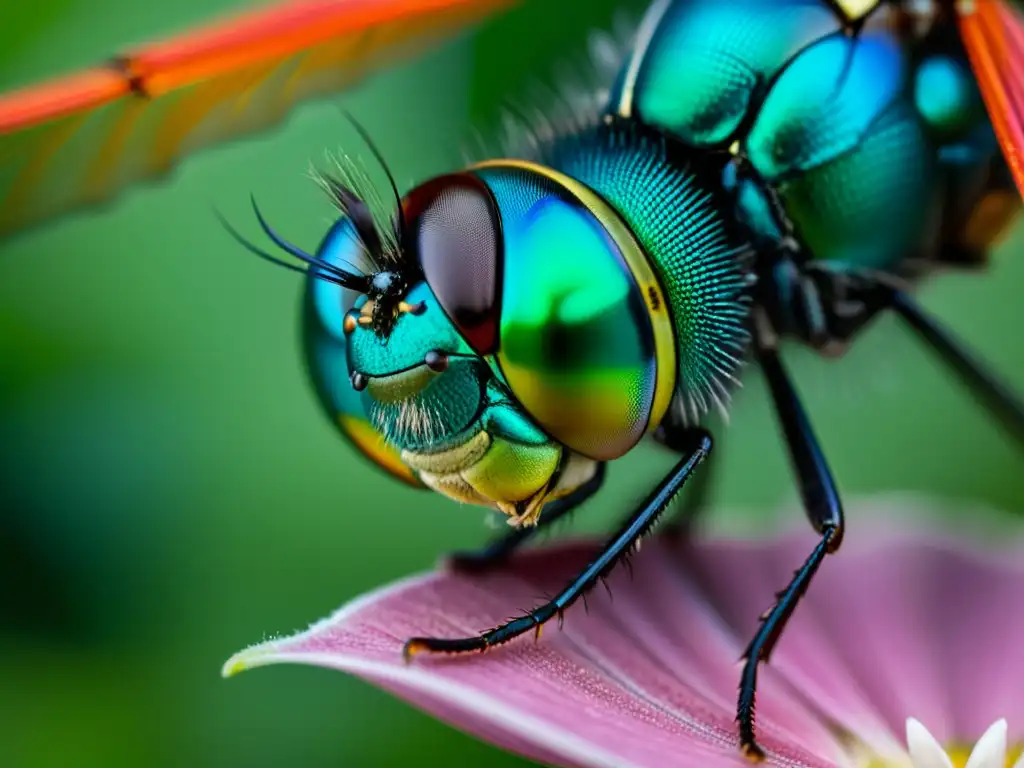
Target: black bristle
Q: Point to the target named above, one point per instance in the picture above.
(317, 268)
(359, 213)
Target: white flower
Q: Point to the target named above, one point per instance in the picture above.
(989, 752)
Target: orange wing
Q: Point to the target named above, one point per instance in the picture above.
(81, 139)
(993, 33)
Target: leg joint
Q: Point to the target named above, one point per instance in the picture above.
(833, 535)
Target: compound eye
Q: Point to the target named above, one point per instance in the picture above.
(333, 304)
(456, 232)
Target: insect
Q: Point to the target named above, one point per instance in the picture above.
(758, 169)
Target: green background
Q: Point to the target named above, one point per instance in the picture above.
(169, 491)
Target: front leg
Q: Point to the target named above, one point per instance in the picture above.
(620, 544)
(675, 437)
(499, 550)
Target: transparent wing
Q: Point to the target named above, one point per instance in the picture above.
(993, 34)
(81, 139)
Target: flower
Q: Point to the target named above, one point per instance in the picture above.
(903, 634)
(989, 752)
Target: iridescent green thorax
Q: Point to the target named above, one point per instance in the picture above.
(841, 123)
(679, 216)
(697, 76)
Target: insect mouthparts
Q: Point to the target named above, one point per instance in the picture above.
(359, 381)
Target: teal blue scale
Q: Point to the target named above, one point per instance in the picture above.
(947, 98)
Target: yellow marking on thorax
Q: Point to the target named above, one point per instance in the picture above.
(639, 266)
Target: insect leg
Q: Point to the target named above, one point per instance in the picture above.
(498, 550)
(825, 512)
(817, 486)
(694, 501)
(623, 542)
(997, 396)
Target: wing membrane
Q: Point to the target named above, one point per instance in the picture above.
(993, 34)
(81, 139)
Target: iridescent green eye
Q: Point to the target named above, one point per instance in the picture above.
(577, 341)
(340, 247)
(455, 233)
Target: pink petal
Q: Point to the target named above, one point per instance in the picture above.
(979, 607)
(828, 647)
(647, 681)
(901, 623)
(895, 626)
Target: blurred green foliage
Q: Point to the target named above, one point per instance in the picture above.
(169, 492)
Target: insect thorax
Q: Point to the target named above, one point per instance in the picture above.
(858, 136)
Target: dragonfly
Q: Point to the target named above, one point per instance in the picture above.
(755, 170)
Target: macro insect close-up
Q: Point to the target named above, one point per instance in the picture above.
(721, 182)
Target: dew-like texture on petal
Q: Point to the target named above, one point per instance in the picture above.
(891, 628)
